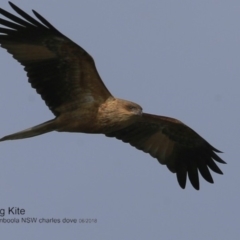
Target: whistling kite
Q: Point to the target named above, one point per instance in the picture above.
(65, 76)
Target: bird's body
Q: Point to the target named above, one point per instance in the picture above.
(113, 114)
(65, 76)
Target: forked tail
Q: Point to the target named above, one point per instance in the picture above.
(33, 131)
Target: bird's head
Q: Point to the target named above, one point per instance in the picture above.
(126, 112)
(119, 113)
(129, 108)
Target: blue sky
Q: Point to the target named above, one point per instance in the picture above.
(175, 58)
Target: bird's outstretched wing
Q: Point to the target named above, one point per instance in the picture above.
(174, 144)
(62, 72)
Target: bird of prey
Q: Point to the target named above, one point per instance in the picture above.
(65, 76)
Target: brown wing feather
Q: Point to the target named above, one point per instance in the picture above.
(174, 144)
(62, 72)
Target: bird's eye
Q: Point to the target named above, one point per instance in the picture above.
(132, 108)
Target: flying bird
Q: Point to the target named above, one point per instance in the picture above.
(65, 76)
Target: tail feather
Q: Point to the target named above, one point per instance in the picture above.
(33, 131)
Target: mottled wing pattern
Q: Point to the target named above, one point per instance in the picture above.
(174, 144)
(62, 72)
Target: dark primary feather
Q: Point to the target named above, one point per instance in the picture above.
(173, 144)
(62, 72)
